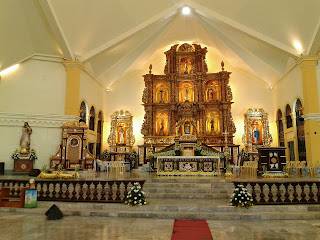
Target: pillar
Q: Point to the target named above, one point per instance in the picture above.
(73, 69)
(308, 66)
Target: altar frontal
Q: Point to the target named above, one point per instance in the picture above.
(188, 166)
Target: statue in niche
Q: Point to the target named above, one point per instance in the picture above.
(161, 132)
(25, 138)
(161, 95)
(121, 136)
(186, 97)
(187, 128)
(256, 136)
(186, 67)
(212, 93)
(212, 125)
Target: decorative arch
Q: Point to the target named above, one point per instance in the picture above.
(162, 123)
(84, 112)
(92, 118)
(300, 129)
(280, 129)
(186, 91)
(288, 116)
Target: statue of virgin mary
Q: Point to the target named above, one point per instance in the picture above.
(25, 138)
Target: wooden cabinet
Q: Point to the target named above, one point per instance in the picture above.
(274, 158)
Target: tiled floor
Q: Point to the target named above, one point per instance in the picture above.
(34, 227)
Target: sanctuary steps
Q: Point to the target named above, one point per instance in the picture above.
(188, 188)
(175, 209)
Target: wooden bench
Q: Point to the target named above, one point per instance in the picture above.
(8, 200)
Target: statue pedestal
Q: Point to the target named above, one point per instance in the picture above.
(22, 166)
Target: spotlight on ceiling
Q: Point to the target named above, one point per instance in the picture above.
(107, 90)
(271, 87)
(298, 46)
(186, 10)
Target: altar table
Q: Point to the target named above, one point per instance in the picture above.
(188, 165)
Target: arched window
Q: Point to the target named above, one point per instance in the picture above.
(300, 130)
(288, 116)
(280, 128)
(84, 111)
(92, 117)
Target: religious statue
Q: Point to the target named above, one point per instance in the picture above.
(256, 136)
(212, 93)
(161, 95)
(185, 68)
(161, 132)
(121, 136)
(25, 138)
(187, 93)
(212, 125)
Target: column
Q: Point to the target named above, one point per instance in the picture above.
(73, 87)
(308, 66)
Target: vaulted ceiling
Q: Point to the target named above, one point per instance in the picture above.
(111, 36)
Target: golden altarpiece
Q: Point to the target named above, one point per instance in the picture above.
(187, 102)
(121, 138)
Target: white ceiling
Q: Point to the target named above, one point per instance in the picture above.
(112, 36)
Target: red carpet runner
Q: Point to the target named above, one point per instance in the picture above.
(191, 230)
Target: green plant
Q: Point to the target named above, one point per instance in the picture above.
(135, 196)
(59, 168)
(241, 197)
(43, 169)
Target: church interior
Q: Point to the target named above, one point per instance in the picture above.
(188, 100)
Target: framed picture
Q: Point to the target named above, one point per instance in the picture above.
(30, 200)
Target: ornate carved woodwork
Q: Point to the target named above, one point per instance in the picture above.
(73, 149)
(187, 97)
(256, 130)
(121, 136)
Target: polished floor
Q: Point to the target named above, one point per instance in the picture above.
(34, 227)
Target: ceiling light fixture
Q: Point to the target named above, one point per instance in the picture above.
(9, 69)
(298, 46)
(107, 90)
(186, 10)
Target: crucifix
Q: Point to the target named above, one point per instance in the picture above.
(161, 95)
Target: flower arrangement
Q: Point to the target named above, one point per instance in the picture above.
(15, 155)
(33, 155)
(133, 154)
(135, 196)
(105, 155)
(241, 197)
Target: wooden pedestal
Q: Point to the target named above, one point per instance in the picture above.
(22, 166)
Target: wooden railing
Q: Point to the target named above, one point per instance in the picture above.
(76, 190)
(282, 192)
